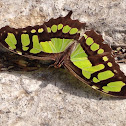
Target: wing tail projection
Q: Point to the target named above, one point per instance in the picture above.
(64, 27)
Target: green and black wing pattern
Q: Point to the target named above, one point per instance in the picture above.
(42, 42)
(24, 41)
(93, 63)
(87, 57)
(64, 27)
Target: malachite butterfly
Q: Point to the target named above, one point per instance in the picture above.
(85, 56)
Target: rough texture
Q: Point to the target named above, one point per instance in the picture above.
(53, 97)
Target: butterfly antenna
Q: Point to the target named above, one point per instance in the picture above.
(52, 65)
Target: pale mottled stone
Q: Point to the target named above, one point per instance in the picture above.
(53, 97)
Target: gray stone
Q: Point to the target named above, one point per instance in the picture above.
(53, 97)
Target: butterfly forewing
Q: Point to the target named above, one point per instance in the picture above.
(42, 42)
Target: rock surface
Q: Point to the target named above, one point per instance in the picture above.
(50, 97)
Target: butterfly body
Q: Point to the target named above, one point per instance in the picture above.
(86, 56)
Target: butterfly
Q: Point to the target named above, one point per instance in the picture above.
(85, 55)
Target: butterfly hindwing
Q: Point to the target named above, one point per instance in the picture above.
(93, 61)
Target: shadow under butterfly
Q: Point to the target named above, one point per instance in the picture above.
(85, 56)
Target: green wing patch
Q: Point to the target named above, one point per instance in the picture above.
(11, 41)
(114, 86)
(56, 45)
(25, 41)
